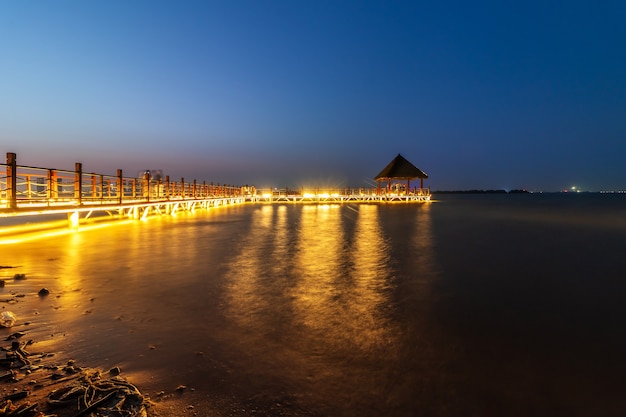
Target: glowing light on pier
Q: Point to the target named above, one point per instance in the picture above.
(73, 220)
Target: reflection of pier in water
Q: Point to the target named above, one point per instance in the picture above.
(321, 294)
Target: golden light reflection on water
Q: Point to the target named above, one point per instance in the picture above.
(280, 249)
(246, 298)
(371, 276)
(326, 275)
(345, 280)
(319, 267)
(424, 264)
(69, 277)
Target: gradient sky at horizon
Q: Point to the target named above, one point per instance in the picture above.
(481, 94)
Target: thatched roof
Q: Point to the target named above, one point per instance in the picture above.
(400, 169)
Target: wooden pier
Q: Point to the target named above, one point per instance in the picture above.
(84, 196)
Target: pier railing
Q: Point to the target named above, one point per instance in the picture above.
(24, 186)
(321, 195)
(347, 191)
(28, 188)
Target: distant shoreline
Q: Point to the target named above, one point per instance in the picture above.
(521, 192)
(480, 192)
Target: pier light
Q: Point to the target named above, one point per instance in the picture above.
(323, 195)
(73, 219)
(267, 195)
(308, 195)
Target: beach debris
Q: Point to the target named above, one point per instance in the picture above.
(43, 292)
(43, 389)
(22, 410)
(7, 319)
(19, 277)
(110, 397)
(1, 283)
(15, 335)
(10, 375)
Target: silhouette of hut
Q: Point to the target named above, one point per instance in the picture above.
(400, 169)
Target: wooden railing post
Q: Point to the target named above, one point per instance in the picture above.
(51, 185)
(182, 188)
(120, 186)
(12, 179)
(78, 183)
(29, 194)
(145, 185)
(93, 186)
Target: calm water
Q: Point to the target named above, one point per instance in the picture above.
(480, 305)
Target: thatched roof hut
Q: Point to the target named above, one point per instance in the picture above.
(401, 169)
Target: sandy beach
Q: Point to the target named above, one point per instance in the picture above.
(38, 362)
(36, 376)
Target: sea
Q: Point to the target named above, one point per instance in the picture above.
(471, 305)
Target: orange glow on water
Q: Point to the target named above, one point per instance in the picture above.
(44, 230)
(337, 285)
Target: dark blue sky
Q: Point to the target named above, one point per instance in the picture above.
(477, 94)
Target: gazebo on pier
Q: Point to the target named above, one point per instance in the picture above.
(401, 169)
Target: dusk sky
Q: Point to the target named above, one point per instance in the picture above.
(484, 94)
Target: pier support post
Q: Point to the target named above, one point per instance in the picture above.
(78, 183)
